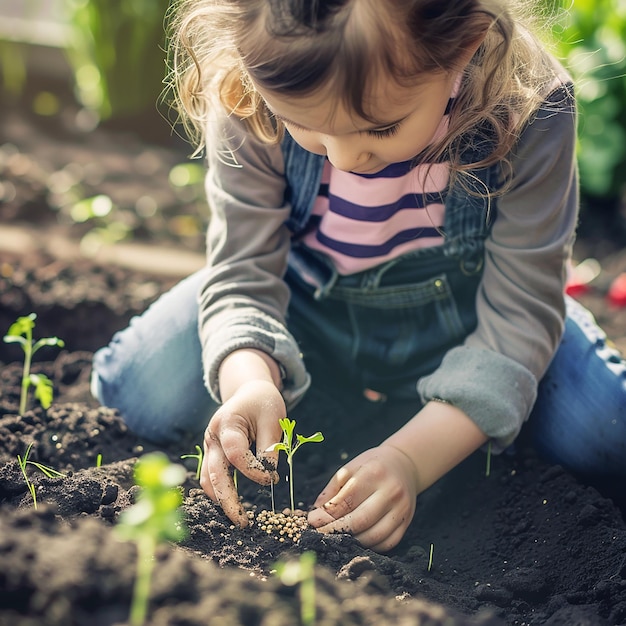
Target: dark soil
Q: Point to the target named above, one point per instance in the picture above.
(529, 544)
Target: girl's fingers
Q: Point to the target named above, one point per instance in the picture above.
(236, 449)
(352, 509)
(205, 482)
(384, 534)
(217, 483)
(319, 518)
(340, 478)
(266, 438)
(352, 493)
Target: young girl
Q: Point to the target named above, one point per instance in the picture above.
(393, 202)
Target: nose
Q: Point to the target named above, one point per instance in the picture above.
(345, 153)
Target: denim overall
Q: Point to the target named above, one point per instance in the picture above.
(376, 332)
(386, 327)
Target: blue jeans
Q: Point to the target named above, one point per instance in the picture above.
(152, 371)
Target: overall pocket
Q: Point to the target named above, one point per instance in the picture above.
(385, 330)
(400, 331)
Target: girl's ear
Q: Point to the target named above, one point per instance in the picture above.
(476, 35)
(469, 50)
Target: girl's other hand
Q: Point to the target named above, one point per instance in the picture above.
(250, 416)
(372, 497)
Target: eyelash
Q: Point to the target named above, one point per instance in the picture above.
(379, 134)
(385, 132)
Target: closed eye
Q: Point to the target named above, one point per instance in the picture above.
(384, 132)
(390, 131)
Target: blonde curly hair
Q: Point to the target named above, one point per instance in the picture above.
(220, 48)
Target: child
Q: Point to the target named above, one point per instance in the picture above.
(394, 199)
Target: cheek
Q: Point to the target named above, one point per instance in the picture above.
(409, 143)
(309, 141)
(399, 151)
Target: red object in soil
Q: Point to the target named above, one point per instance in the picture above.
(617, 291)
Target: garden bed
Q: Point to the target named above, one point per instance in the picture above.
(529, 544)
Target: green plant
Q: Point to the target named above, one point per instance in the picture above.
(591, 41)
(21, 332)
(301, 572)
(155, 518)
(288, 446)
(13, 64)
(488, 466)
(116, 50)
(48, 471)
(198, 456)
(430, 556)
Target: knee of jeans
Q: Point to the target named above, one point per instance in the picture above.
(154, 407)
(111, 386)
(106, 376)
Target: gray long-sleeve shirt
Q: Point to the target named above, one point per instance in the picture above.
(493, 375)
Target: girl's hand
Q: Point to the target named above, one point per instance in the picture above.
(372, 497)
(249, 416)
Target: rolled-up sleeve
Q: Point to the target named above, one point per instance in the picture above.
(493, 376)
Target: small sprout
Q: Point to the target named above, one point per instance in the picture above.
(21, 331)
(301, 572)
(155, 517)
(488, 468)
(430, 556)
(47, 471)
(289, 448)
(99, 460)
(198, 456)
(272, 497)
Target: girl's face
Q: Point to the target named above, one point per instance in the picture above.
(409, 118)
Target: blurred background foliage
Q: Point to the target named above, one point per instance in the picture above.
(116, 50)
(590, 39)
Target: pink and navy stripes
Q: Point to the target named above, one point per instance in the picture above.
(362, 220)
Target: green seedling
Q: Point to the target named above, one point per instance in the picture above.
(99, 461)
(198, 456)
(488, 467)
(47, 471)
(301, 572)
(288, 446)
(156, 517)
(21, 331)
(430, 556)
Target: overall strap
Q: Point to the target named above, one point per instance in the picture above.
(303, 172)
(470, 210)
(471, 206)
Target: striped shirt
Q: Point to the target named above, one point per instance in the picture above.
(362, 220)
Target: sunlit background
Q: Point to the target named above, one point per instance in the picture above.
(110, 54)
